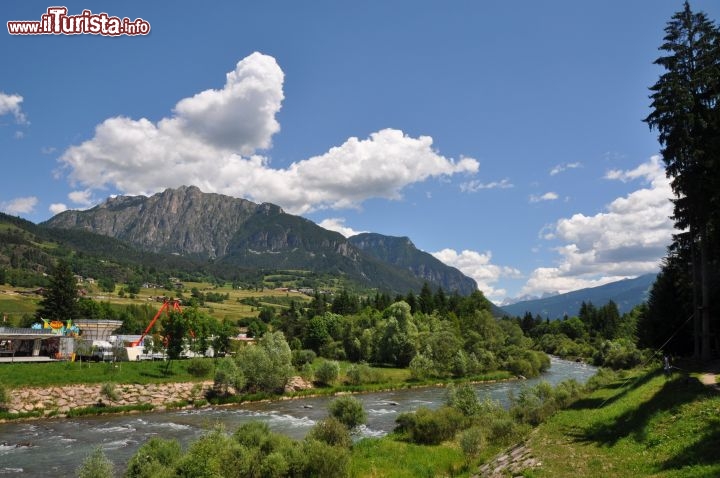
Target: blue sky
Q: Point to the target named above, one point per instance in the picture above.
(506, 138)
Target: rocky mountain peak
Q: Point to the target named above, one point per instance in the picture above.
(241, 233)
(183, 220)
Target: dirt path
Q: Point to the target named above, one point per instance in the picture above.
(709, 377)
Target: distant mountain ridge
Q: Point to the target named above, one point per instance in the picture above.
(625, 293)
(238, 232)
(525, 298)
(401, 252)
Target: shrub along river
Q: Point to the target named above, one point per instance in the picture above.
(57, 447)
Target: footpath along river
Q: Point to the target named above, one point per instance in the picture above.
(57, 447)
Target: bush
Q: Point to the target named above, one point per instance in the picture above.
(210, 456)
(199, 367)
(302, 357)
(253, 434)
(306, 372)
(464, 399)
(459, 364)
(428, 427)
(529, 406)
(332, 432)
(566, 392)
(422, 367)
(96, 465)
(520, 367)
(534, 405)
(501, 429)
(108, 389)
(263, 453)
(227, 374)
(327, 372)
(471, 442)
(349, 411)
(333, 350)
(267, 366)
(155, 459)
(354, 375)
(618, 354)
(325, 461)
(528, 363)
(274, 464)
(361, 373)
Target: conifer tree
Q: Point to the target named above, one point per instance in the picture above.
(61, 297)
(685, 114)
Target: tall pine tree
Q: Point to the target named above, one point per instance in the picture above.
(685, 114)
(61, 298)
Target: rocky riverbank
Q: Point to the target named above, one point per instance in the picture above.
(58, 401)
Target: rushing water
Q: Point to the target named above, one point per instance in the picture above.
(57, 447)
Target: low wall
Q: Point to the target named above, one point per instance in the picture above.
(60, 400)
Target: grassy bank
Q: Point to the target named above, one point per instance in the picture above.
(646, 424)
(18, 375)
(387, 457)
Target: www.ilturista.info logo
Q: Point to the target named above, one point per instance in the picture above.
(57, 22)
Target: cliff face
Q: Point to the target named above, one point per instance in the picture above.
(182, 221)
(401, 252)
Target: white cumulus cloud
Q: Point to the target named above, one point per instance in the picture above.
(626, 240)
(337, 224)
(57, 208)
(195, 145)
(548, 196)
(479, 267)
(564, 167)
(81, 198)
(212, 140)
(22, 205)
(379, 166)
(476, 185)
(10, 104)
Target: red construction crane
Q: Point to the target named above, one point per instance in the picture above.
(174, 303)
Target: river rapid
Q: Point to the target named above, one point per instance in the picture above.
(57, 447)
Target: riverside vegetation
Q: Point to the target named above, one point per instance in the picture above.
(643, 422)
(346, 343)
(349, 342)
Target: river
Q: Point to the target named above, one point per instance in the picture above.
(57, 447)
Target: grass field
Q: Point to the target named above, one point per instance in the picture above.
(231, 308)
(645, 425)
(16, 375)
(388, 458)
(15, 305)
